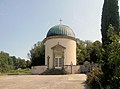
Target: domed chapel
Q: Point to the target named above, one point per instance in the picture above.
(60, 53)
(60, 47)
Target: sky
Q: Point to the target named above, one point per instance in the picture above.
(25, 22)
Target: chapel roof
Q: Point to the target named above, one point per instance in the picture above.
(61, 30)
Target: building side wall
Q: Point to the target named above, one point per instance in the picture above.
(69, 52)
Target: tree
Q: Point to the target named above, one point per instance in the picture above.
(111, 58)
(89, 47)
(110, 15)
(96, 53)
(6, 62)
(110, 36)
(109, 75)
(80, 51)
(88, 51)
(28, 63)
(37, 54)
(22, 63)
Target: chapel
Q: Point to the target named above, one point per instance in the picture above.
(60, 47)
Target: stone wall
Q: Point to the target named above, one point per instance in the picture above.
(74, 69)
(38, 69)
(68, 69)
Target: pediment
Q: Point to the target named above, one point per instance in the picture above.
(58, 46)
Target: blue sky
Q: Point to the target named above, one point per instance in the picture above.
(25, 22)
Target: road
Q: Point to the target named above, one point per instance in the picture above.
(74, 81)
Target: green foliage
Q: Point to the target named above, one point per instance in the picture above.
(89, 46)
(109, 76)
(5, 62)
(8, 63)
(80, 51)
(94, 79)
(37, 54)
(110, 15)
(96, 53)
(110, 38)
(111, 67)
(88, 51)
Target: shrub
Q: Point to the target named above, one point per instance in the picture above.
(94, 79)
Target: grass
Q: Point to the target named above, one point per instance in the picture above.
(3, 74)
(17, 72)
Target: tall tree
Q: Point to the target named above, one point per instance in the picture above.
(111, 58)
(110, 15)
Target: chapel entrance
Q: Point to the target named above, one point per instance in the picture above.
(58, 62)
(58, 56)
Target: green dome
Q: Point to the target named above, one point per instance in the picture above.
(60, 30)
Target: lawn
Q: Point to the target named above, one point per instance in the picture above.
(17, 72)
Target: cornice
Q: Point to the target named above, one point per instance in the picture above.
(56, 37)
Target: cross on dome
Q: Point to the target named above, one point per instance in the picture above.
(60, 20)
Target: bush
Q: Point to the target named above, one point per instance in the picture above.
(94, 79)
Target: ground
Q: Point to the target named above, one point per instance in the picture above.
(74, 81)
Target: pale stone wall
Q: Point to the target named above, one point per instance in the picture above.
(75, 69)
(38, 69)
(87, 67)
(69, 52)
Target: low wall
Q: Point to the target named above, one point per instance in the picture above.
(38, 69)
(74, 69)
(68, 69)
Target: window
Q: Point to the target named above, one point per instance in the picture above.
(58, 62)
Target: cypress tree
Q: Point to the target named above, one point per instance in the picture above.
(110, 20)
(110, 15)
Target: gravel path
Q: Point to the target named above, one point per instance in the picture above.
(75, 81)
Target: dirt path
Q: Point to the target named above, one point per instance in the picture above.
(76, 81)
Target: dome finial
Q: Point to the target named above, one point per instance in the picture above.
(60, 20)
